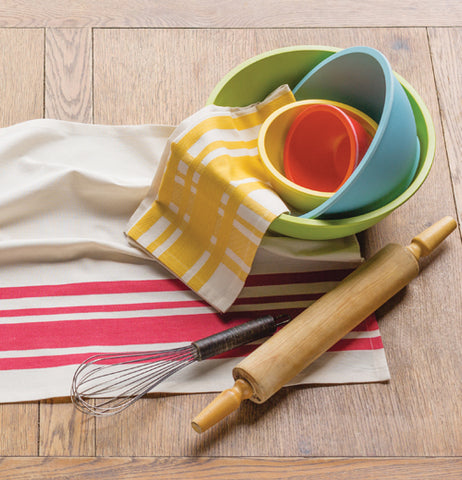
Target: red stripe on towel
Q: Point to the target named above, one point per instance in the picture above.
(111, 331)
(93, 288)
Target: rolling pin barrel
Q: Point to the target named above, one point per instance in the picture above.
(325, 322)
(328, 320)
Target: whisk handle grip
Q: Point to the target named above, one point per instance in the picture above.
(234, 337)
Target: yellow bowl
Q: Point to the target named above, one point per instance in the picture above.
(271, 141)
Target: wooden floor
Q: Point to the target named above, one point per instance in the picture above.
(149, 61)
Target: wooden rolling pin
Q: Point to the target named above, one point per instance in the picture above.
(323, 324)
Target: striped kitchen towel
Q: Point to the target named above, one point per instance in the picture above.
(206, 215)
(71, 285)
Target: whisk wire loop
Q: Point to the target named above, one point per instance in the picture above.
(106, 384)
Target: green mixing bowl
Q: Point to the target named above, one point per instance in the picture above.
(255, 78)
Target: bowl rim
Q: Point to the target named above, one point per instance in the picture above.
(261, 56)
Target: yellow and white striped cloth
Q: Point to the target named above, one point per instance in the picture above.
(210, 203)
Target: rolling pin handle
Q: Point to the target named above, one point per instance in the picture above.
(228, 401)
(424, 243)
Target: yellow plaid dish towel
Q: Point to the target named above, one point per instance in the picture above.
(210, 203)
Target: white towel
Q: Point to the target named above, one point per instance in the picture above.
(71, 285)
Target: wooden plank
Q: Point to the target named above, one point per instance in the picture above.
(64, 431)
(21, 77)
(448, 74)
(163, 76)
(68, 81)
(19, 427)
(225, 14)
(235, 468)
(68, 94)
(166, 81)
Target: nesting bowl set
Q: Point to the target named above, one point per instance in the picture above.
(379, 134)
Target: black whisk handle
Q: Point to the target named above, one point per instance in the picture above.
(236, 336)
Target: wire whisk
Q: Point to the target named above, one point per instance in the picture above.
(106, 384)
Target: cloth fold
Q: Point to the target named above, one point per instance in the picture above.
(206, 216)
(72, 286)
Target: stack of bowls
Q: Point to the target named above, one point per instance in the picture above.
(397, 152)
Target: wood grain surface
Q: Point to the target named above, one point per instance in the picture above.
(21, 75)
(445, 44)
(238, 468)
(64, 66)
(68, 74)
(226, 14)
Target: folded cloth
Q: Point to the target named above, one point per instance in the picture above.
(205, 217)
(71, 286)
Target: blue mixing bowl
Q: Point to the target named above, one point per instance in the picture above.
(363, 78)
